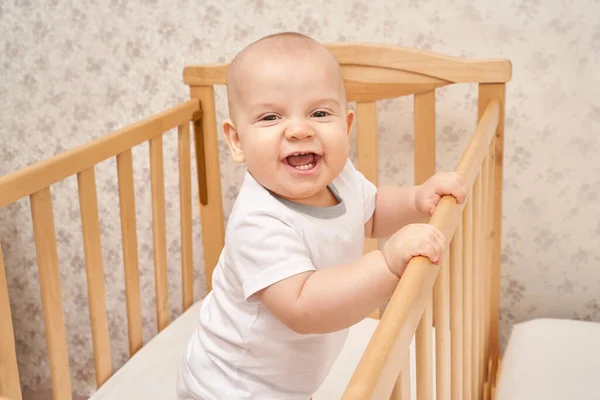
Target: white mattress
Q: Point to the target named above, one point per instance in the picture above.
(545, 359)
(152, 372)
(551, 359)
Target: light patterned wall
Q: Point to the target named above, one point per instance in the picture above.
(71, 71)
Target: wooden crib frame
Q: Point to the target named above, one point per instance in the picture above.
(462, 294)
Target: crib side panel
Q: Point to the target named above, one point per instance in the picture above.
(36, 182)
(9, 370)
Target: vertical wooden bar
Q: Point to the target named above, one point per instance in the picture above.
(483, 277)
(402, 388)
(476, 242)
(159, 231)
(486, 268)
(442, 330)
(424, 136)
(9, 369)
(88, 203)
(424, 168)
(467, 224)
(130, 250)
(209, 179)
(456, 312)
(424, 361)
(366, 128)
(487, 93)
(488, 262)
(490, 247)
(185, 206)
(49, 276)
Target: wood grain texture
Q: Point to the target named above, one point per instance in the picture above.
(412, 61)
(211, 212)
(130, 250)
(9, 369)
(90, 224)
(49, 277)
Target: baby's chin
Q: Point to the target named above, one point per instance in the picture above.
(308, 196)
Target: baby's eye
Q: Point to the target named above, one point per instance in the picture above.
(320, 114)
(269, 117)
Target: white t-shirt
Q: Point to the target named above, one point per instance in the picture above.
(240, 350)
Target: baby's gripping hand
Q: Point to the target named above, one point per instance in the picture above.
(412, 241)
(443, 183)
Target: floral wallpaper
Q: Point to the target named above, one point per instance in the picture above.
(71, 71)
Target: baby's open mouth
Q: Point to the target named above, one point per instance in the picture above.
(303, 161)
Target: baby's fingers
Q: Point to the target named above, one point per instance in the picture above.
(437, 242)
(428, 248)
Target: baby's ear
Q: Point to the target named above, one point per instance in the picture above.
(350, 121)
(232, 138)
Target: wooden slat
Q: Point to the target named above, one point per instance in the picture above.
(401, 390)
(9, 369)
(405, 380)
(159, 232)
(442, 330)
(49, 276)
(490, 251)
(489, 93)
(424, 356)
(484, 269)
(366, 128)
(436, 65)
(476, 242)
(88, 203)
(130, 250)
(456, 312)
(367, 154)
(467, 256)
(424, 136)
(207, 156)
(44, 173)
(185, 205)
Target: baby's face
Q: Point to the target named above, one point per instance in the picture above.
(292, 120)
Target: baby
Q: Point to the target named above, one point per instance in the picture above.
(292, 277)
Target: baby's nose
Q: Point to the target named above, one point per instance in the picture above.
(299, 131)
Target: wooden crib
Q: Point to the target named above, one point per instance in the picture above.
(455, 358)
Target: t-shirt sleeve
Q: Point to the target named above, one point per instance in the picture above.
(264, 250)
(367, 190)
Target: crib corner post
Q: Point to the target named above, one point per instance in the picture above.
(9, 370)
(495, 92)
(208, 170)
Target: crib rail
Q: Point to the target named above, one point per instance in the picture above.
(45, 173)
(36, 180)
(384, 360)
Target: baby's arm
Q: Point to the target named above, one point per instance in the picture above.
(338, 297)
(396, 207)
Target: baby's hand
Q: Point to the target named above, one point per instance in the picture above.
(411, 241)
(431, 191)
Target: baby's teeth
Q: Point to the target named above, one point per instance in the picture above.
(304, 167)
